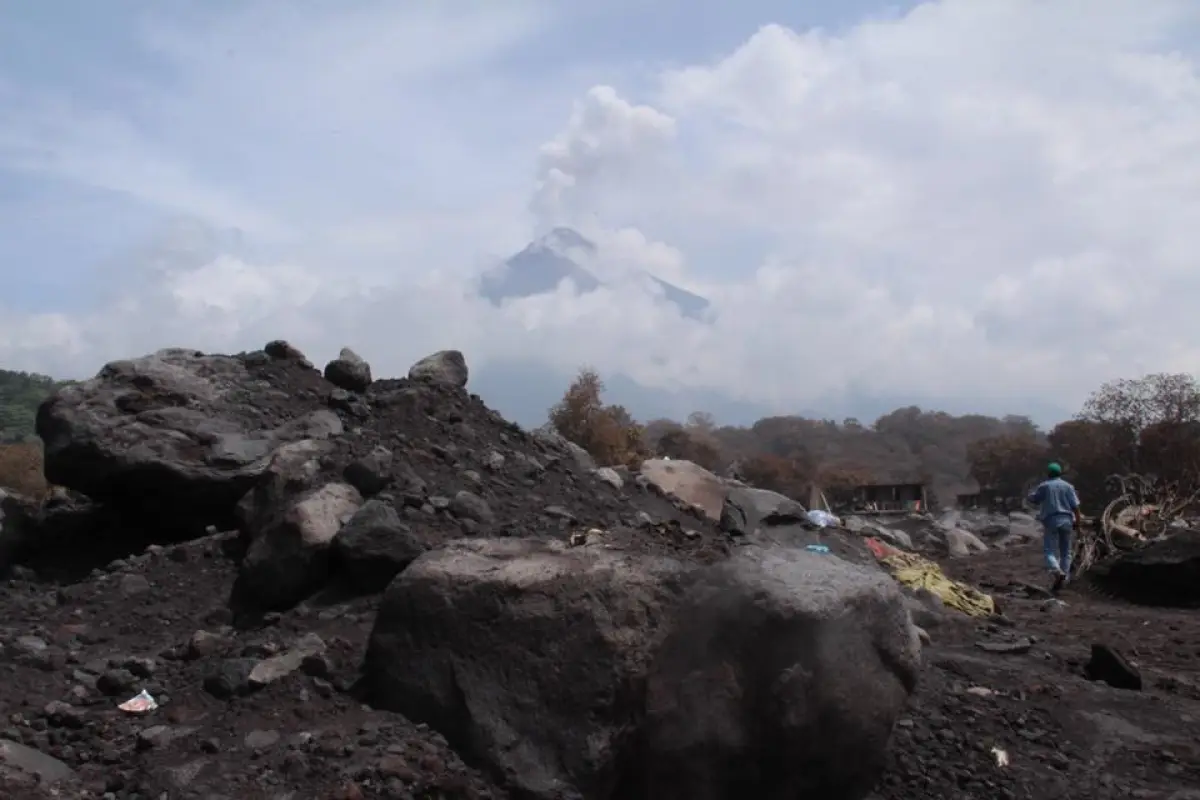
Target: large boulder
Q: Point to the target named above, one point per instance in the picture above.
(447, 367)
(746, 508)
(782, 678)
(177, 431)
(687, 482)
(586, 672)
(290, 520)
(527, 655)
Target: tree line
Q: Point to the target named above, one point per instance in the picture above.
(20, 395)
(1150, 425)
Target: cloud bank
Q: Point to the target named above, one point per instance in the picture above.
(989, 199)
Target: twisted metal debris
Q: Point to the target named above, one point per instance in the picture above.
(1143, 508)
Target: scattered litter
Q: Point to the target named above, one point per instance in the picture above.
(1001, 757)
(816, 548)
(822, 519)
(141, 703)
(980, 691)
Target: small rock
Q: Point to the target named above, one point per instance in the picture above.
(132, 585)
(260, 740)
(116, 682)
(349, 371)
(1109, 666)
(64, 715)
(609, 475)
(471, 506)
(558, 512)
(30, 645)
(285, 351)
(280, 666)
(370, 474)
(204, 644)
(230, 678)
(154, 737)
(1023, 645)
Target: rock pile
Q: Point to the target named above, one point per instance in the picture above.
(569, 631)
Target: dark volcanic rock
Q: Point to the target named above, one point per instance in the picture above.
(782, 677)
(349, 371)
(1162, 573)
(574, 629)
(374, 547)
(178, 433)
(580, 631)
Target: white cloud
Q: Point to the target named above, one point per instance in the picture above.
(982, 198)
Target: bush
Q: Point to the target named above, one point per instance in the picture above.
(21, 469)
(608, 433)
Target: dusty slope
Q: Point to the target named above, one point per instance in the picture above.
(1066, 737)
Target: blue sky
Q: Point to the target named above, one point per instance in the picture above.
(993, 202)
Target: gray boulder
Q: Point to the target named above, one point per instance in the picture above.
(687, 482)
(782, 678)
(447, 367)
(34, 771)
(746, 508)
(178, 432)
(635, 677)
(556, 441)
(960, 543)
(349, 371)
(290, 520)
(527, 655)
(611, 477)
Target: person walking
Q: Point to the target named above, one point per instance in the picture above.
(1058, 510)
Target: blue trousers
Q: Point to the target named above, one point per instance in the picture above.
(1056, 543)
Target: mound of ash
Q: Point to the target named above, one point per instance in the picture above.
(336, 586)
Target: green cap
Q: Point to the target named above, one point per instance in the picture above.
(1055, 469)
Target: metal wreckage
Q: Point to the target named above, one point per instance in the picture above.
(1143, 510)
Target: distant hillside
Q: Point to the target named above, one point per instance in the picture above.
(20, 395)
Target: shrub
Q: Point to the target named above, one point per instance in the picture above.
(21, 469)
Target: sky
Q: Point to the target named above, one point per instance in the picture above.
(990, 203)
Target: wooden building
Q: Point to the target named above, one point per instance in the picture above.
(891, 498)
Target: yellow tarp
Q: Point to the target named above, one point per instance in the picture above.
(916, 572)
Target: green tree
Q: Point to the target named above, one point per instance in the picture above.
(20, 395)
